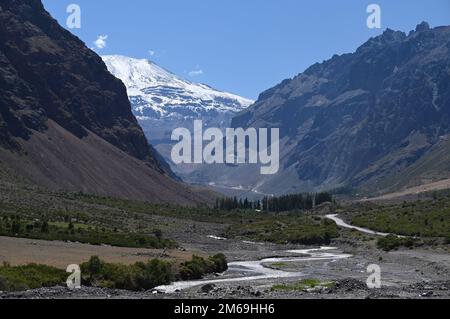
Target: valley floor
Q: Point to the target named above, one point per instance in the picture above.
(20, 251)
(405, 273)
(418, 273)
(412, 193)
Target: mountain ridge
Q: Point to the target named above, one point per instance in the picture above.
(358, 117)
(55, 91)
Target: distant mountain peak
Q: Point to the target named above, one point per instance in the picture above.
(158, 93)
(163, 101)
(424, 26)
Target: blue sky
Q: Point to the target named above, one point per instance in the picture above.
(241, 46)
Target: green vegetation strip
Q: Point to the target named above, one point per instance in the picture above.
(282, 229)
(415, 219)
(29, 212)
(30, 277)
(393, 242)
(14, 226)
(97, 273)
(303, 285)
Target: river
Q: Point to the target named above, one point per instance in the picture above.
(244, 271)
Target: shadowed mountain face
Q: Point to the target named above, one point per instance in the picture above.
(53, 88)
(360, 119)
(47, 73)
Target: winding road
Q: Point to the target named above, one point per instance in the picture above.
(340, 222)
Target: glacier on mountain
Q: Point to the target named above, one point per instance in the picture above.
(163, 102)
(156, 93)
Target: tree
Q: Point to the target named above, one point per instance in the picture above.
(158, 234)
(44, 227)
(15, 226)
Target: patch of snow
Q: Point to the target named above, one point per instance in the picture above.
(155, 90)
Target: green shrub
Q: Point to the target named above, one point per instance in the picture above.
(97, 273)
(31, 276)
(154, 273)
(287, 229)
(416, 219)
(220, 263)
(198, 267)
(194, 269)
(137, 277)
(393, 242)
(303, 285)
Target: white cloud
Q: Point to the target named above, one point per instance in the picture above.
(196, 72)
(151, 52)
(100, 43)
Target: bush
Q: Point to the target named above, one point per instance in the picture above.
(137, 277)
(220, 263)
(97, 273)
(4, 284)
(154, 273)
(416, 219)
(393, 242)
(198, 267)
(281, 229)
(303, 285)
(31, 276)
(194, 269)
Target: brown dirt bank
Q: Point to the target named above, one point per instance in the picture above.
(18, 251)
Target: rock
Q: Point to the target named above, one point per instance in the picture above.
(350, 285)
(315, 290)
(326, 290)
(427, 294)
(207, 288)
(424, 26)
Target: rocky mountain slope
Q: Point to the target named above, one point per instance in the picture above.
(375, 119)
(65, 121)
(163, 101)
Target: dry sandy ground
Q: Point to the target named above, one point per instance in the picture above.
(436, 186)
(19, 251)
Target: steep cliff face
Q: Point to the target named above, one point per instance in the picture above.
(360, 118)
(52, 85)
(47, 73)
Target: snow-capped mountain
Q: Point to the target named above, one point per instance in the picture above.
(156, 93)
(163, 101)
